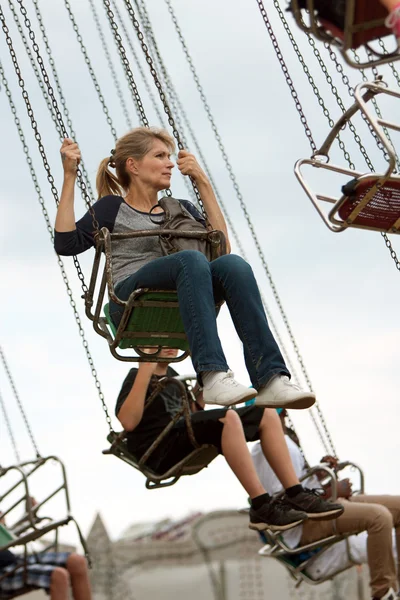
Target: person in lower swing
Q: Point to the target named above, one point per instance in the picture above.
(374, 519)
(228, 430)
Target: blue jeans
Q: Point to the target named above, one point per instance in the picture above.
(200, 285)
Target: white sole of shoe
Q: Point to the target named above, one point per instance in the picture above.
(264, 526)
(299, 404)
(325, 516)
(249, 396)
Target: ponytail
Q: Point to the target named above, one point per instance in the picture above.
(106, 182)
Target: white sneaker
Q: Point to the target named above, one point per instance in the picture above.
(221, 388)
(281, 393)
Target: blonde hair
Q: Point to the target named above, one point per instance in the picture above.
(134, 144)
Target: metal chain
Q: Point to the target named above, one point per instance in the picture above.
(126, 66)
(10, 431)
(90, 68)
(350, 89)
(34, 67)
(35, 128)
(149, 91)
(314, 86)
(50, 91)
(288, 78)
(391, 65)
(162, 95)
(50, 230)
(160, 115)
(326, 441)
(43, 89)
(110, 63)
(16, 396)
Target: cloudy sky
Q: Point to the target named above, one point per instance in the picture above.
(340, 291)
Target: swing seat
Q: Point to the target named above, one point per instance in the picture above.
(299, 559)
(6, 536)
(382, 211)
(347, 24)
(368, 200)
(155, 320)
(197, 460)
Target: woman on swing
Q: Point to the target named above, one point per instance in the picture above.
(143, 167)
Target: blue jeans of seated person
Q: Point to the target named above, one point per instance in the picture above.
(200, 285)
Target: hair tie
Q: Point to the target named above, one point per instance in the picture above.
(111, 161)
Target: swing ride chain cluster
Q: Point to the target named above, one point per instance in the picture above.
(81, 183)
(286, 73)
(249, 222)
(342, 146)
(161, 93)
(149, 91)
(90, 68)
(10, 431)
(34, 67)
(38, 138)
(152, 44)
(311, 81)
(42, 86)
(72, 133)
(113, 72)
(125, 63)
(391, 65)
(346, 82)
(50, 230)
(16, 396)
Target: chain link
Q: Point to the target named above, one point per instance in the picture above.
(43, 89)
(126, 66)
(45, 213)
(18, 399)
(288, 78)
(10, 430)
(110, 63)
(50, 92)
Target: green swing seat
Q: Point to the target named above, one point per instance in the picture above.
(5, 536)
(159, 325)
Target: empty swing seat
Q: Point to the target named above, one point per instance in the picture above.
(382, 211)
(155, 320)
(368, 200)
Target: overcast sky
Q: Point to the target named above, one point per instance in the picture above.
(340, 291)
